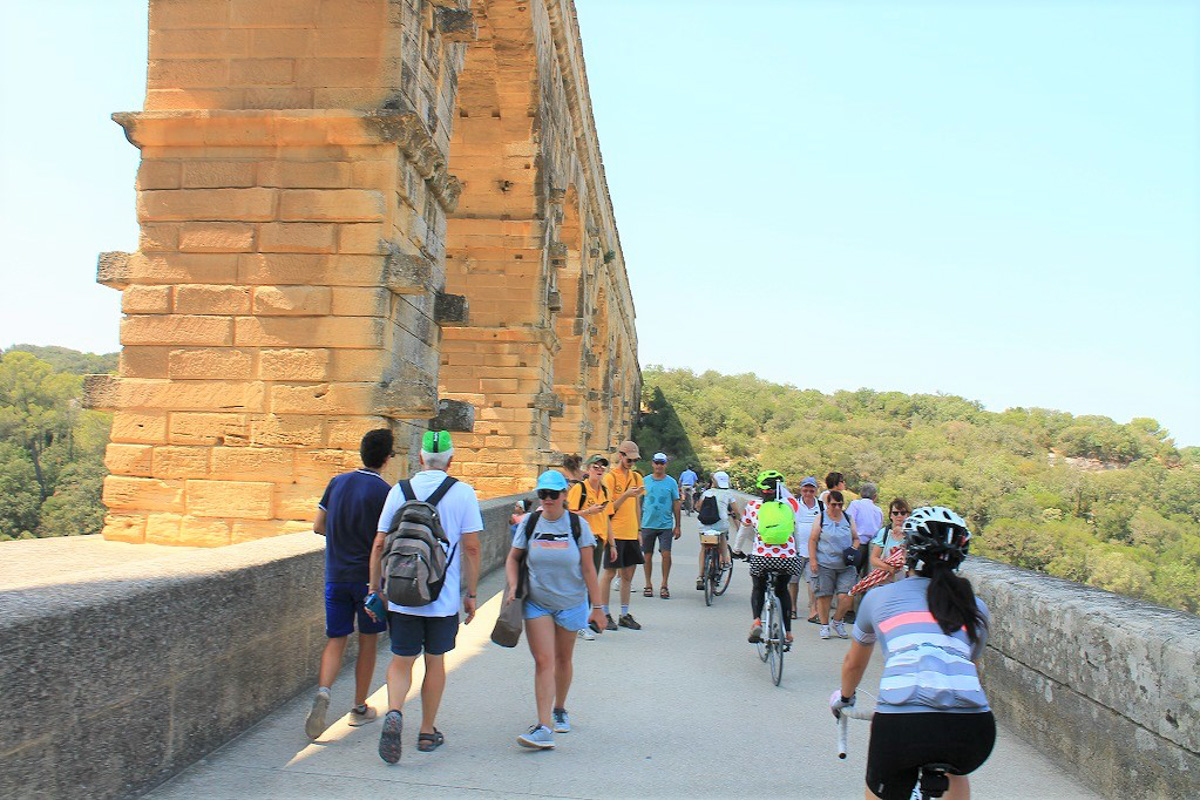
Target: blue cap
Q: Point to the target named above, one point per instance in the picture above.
(551, 479)
(809, 482)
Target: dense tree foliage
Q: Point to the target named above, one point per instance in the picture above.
(51, 449)
(1085, 498)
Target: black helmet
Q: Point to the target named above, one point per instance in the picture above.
(935, 535)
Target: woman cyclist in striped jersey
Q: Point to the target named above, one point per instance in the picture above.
(931, 707)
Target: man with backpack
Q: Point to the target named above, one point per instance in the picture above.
(425, 552)
(625, 488)
(347, 517)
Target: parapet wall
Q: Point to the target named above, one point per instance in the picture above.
(1108, 685)
(118, 681)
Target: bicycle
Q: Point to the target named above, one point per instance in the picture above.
(773, 643)
(716, 575)
(932, 780)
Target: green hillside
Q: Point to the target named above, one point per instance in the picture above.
(1085, 498)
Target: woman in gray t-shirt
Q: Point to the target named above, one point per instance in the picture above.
(556, 546)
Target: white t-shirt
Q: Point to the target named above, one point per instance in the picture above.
(459, 512)
(724, 498)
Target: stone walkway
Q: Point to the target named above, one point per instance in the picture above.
(683, 708)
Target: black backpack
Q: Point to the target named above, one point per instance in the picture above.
(583, 493)
(414, 552)
(532, 521)
(710, 510)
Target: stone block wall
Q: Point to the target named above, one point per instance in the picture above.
(1107, 685)
(310, 268)
(159, 663)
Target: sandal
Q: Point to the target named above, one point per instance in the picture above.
(664, 593)
(648, 591)
(428, 742)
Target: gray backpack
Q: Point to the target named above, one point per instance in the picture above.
(414, 553)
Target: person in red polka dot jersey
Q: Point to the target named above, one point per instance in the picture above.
(781, 559)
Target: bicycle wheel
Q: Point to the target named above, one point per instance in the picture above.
(775, 642)
(723, 577)
(763, 648)
(710, 580)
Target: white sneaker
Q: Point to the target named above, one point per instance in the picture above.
(587, 635)
(825, 632)
(840, 629)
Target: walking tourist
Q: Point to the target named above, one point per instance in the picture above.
(589, 499)
(810, 509)
(624, 553)
(931, 706)
(830, 538)
(836, 481)
(890, 538)
(347, 516)
(430, 628)
(868, 519)
(774, 548)
(563, 593)
(571, 467)
(687, 482)
(660, 523)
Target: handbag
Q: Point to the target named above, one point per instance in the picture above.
(510, 621)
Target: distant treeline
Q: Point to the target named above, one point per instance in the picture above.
(51, 448)
(1123, 515)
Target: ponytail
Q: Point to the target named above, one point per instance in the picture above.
(952, 602)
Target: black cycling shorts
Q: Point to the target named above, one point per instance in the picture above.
(901, 743)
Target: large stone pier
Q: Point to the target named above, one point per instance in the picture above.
(352, 212)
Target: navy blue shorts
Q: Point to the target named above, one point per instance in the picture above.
(344, 603)
(411, 634)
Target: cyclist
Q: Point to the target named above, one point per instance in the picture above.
(727, 512)
(779, 558)
(931, 707)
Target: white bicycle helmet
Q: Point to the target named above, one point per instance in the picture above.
(935, 534)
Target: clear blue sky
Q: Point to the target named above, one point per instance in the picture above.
(998, 200)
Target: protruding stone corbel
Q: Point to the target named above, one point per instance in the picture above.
(553, 458)
(577, 327)
(593, 396)
(456, 25)
(557, 252)
(454, 415)
(113, 269)
(405, 273)
(451, 310)
(100, 392)
(593, 360)
(554, 300)
(549, 401)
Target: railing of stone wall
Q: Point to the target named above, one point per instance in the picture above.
(117, 683)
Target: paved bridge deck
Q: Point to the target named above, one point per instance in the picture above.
(683, 708)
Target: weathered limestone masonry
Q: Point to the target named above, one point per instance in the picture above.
(550, 357)
(289, 289)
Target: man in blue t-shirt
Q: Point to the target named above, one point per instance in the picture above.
(660, 523)
(347, 517)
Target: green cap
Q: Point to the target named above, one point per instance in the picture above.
(436, 442)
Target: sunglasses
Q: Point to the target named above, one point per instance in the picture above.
(836, 505)
(660, 462)
(548, 494)
(899, 513)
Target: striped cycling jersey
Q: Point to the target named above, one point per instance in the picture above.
(924, 669)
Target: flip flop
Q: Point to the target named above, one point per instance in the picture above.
(664, 593)
(428, 742)
(648, 591)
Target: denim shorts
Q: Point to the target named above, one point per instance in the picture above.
(572, 619)
(343, 604)
(411, 634)
(664, 536)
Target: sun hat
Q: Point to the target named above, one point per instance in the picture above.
(551, 479)
(721, 479)
(630, 449)
(597, 459)
(660, 457)
(809, 481)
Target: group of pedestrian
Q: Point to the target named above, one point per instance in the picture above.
(596, 521)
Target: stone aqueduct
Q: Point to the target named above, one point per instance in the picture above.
(357, 213)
